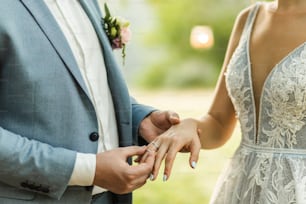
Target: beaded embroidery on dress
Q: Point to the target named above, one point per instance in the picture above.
(270, 164)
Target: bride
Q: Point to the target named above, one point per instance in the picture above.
(263, 86)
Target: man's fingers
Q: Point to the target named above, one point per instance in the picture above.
(150, 159)
(134, 150)
(164, 119)
(173, 118)
(145, 168)
(144, 157)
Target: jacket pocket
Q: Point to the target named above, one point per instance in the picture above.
(8, 192)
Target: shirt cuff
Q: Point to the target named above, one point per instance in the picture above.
(84, 170)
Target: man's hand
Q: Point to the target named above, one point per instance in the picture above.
(156, 123)
(115, 174)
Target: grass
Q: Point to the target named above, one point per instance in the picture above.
(186, 185)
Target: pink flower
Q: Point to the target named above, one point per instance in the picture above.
(126, 35)
(116, 43)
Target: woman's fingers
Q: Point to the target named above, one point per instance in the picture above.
(195, 148)
(152, 147)
(160, 155)
(169, 160)
(183, 137)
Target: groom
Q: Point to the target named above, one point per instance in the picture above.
(66, 117)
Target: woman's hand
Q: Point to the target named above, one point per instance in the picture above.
(182, 137)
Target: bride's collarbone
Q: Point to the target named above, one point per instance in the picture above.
(267, 52)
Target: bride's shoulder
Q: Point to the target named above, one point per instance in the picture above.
(242, 18)
(244, 14)
(240, 22)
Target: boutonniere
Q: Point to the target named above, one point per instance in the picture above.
(117, 30)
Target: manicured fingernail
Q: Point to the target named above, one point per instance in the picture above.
(151, 177)
(165, 177)
(194, 164)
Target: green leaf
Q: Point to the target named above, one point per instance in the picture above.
(107, 12)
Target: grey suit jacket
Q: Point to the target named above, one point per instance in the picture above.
(46, 115)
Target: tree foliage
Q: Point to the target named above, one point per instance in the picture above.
(181, 65)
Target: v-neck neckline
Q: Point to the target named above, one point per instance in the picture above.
(257, 115)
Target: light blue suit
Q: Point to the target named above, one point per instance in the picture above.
(46, 115)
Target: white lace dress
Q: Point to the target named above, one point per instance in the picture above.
(270, 164)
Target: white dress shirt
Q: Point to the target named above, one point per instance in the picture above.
(85, 46)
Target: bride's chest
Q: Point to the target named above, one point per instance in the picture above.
(284, 83)
(267, 53)
(272, 37)
(281, 104)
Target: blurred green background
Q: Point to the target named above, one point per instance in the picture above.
(159, 54)
(162, 69)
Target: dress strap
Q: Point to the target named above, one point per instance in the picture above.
(251, 18)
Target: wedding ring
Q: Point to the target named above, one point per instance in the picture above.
(155, 145)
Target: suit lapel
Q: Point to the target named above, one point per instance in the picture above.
(115, 79)
(92, 10)
(49, 26)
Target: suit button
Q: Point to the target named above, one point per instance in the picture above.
(24, 184)
(94, 136)
(32, 186)
(45, 189)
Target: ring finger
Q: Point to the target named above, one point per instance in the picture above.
(160, 155)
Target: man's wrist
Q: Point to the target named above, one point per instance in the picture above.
(143, 128)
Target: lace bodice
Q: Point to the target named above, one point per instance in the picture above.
(282, 114)
(270, 164)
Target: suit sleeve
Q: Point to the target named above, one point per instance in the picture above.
(34, 166)
(139, 112)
